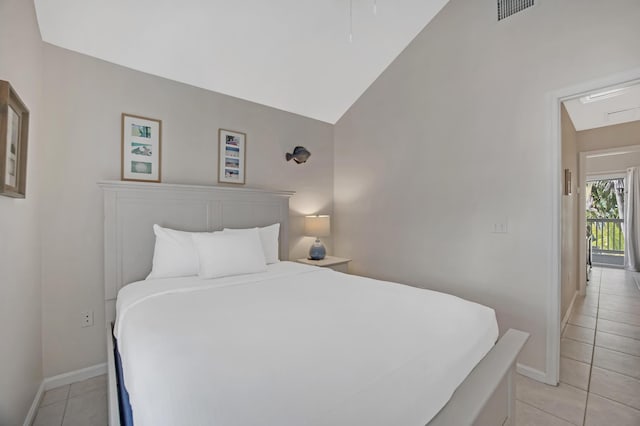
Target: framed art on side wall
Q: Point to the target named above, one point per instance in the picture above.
(14, 138)
(232, 154)
(567, 182)
(141, 148)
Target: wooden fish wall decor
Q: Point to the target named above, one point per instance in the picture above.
(299, 155)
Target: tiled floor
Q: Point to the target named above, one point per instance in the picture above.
(599, 369)
(79, 404)
(599, 364)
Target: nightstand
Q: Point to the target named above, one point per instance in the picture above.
(339, 264)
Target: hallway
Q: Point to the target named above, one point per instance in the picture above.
(600, 360)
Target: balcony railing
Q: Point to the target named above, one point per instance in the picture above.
(606, 236)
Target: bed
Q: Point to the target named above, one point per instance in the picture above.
(293, 345)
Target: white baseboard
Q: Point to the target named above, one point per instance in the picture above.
(567, 315)
(33, 410)
(61, 380)
(74, 376)
(532, 373)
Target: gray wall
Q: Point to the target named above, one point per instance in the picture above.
(20, 291)
(84, 98)
(570, 237)
(619, 135)
(451, 138)
(613, 163)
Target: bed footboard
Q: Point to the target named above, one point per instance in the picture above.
(487, 395)
(485, 398)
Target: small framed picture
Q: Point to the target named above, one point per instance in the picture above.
(567, 182)
(141, 148)
(14, 138)
(232, 147)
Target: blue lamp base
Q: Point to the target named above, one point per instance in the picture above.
(317, 251)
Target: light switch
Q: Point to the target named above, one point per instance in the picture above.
(501, 227)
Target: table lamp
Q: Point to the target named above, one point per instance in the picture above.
(317, 226)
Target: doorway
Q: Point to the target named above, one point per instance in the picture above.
(597, 297)
(555, 101)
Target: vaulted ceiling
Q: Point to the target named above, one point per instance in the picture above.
(294, 55)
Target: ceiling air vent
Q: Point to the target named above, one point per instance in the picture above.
(507, 8)
(623, 115)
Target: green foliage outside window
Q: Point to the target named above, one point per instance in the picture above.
(601, 200)
(603, 204)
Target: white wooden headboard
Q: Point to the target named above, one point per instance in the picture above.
(131, 209)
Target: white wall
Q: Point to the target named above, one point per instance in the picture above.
(84, 98)
(20, 290)
(451, 138)
(613, 163)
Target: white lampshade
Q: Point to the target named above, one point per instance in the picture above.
(317, 226)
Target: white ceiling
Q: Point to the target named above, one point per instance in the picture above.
(294, 55)
(623, 107)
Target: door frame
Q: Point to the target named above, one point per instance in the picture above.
(554, 141)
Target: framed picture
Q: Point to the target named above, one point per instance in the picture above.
(232, 154)
(14, 138)
(567, 182)
(141, 148)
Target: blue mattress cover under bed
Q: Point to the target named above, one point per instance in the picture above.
(126, 414)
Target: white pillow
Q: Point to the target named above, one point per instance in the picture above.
(174, 254)
(269, 239)
(229, 253)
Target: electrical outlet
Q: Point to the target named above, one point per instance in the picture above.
(86, 318)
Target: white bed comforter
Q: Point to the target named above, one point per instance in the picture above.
(296, 345)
